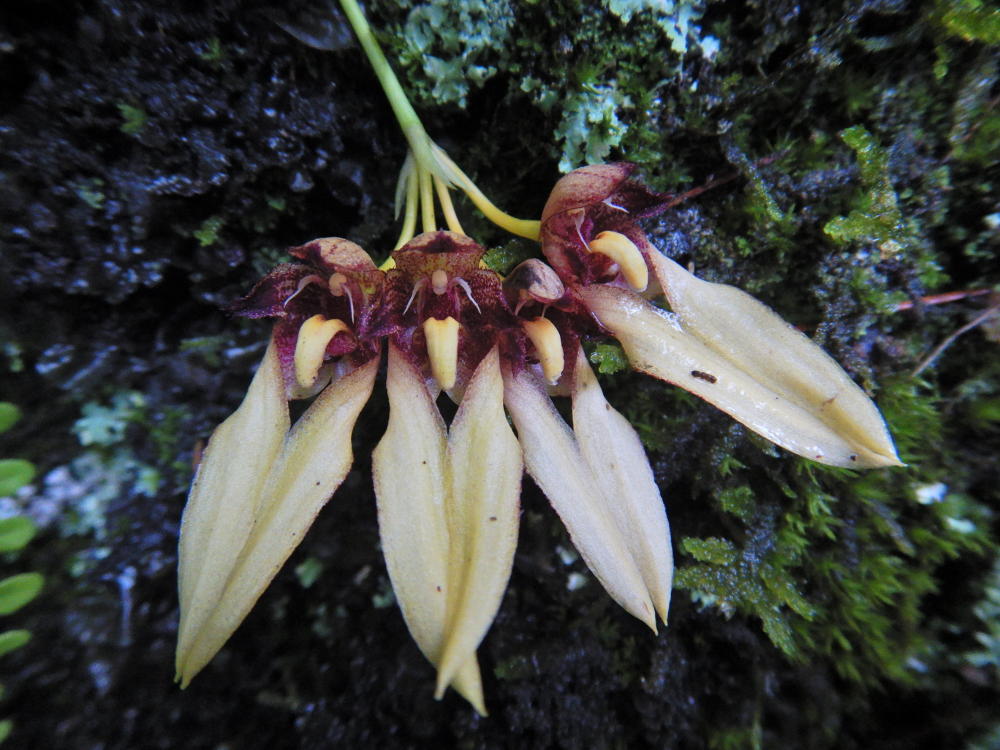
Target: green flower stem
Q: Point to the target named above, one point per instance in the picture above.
(406, 116)
(410, 213)
(428, 219)
(527, 228)
(431, 162)
(447, 208)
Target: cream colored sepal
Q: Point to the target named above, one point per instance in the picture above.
(786, 410)
(615, 454)
(442, 349)
(554, 459)
(412, 485)
(752, 336)
(314, 459)
(483, 514)
(623, 251)
(225, 499)
(548, 346)
(310, 347)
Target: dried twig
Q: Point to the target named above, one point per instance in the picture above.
(978, 320)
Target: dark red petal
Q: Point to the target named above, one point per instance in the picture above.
(586, 186)
(333, 254)
(586, 202)
(268, 297)
(604, 187)
(286, 334)
(637, 200)
(428, 252)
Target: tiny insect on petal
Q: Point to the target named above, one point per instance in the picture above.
(657, 343)
(751, 335)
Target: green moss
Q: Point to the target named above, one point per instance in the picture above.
(755, 578)
(263, 220)
(609, 357)
(590, 126)
(710, 550)
(988, 632)
(91, 192)
(208, 233)
(212, 53)
(135, 118)
(975, 130)
(517, 667)
(676, 19)
(12, 353)
(739, 501)
(16, 532)
(738, 738)
(265, 258)
(600, 95)
(503, 258)
(166, 432)
(105, 425)
(876, 217)
(14, 474)
(450, 47)
(971, 20)
(838, 565)
(208, 348)
(18, 590)
(308, 571)
(111, 468)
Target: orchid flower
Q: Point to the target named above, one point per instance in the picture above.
(261, 483)
(716, 341)
(448, 494)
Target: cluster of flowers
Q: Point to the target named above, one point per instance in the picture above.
(448, 495)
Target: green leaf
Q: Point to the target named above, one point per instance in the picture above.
(13, 639)
(18, 590)
(5, 726)
(16, 532)
(9, 414)
(14, 474)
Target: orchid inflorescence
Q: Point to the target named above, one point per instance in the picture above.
(448, 494)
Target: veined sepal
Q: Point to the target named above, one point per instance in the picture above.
(612, 449)
(225, 499)
(568, 475)
(483, 515)
(448, 516)
(724, 346)
(289, 490)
